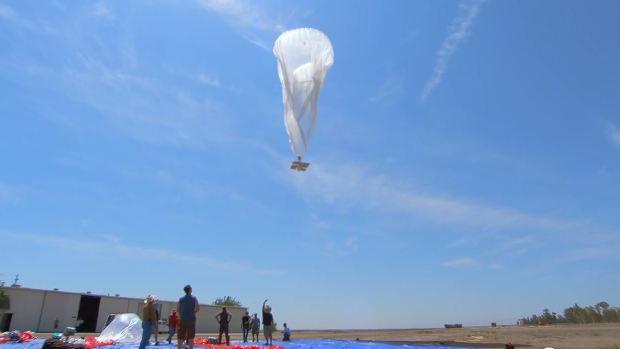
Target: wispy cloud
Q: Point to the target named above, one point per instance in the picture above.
(211, 81)
(465, 262)
(7, 193)
(614, 134)
(495, 266)
(389, 88)
(102, 10)
(458, 31)
(353, 185)
(247, 19)
(503, 231)
(142, 107)
(6, 11)
(242, 14)
(116, 247)
(328, 239)
(609, 252)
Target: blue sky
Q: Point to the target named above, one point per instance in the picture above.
(465, 165)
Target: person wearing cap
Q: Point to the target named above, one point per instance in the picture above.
(156, 323)
(173, 322)
(187, 308)
(267, 323)
(255, 323)
(149, 317)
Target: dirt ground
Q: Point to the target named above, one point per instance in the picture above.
(594, 336)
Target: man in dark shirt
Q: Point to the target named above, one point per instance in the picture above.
(245, 326)
(187, 309)
(267, 323)
(224, 319)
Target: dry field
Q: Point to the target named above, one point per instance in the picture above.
(596, 336)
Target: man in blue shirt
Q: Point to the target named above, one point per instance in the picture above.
(187, 308)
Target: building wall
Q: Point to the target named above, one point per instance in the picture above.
(26, 308)
(205, 319)
(111, 305)
(61, 306)
(38, 310)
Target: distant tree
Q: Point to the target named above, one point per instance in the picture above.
(227, 301)
(600, 312)
(611, 315)
(601, 307)
(547, 317)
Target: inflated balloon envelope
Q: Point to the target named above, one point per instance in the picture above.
(304, 56)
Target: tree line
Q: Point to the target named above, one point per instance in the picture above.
(600, 312)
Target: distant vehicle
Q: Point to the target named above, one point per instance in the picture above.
(162, 326)
(453, 325)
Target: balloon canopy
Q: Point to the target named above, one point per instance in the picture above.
(304, 57)
(125, 328)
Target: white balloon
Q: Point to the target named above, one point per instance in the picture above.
(304, 56)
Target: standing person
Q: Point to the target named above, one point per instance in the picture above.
(173, 322)
(255, 327)
(245, 326)
(148, 318)
(187, 309)
(156, 323)
(267, 323)
(224, 319)
(287, 334)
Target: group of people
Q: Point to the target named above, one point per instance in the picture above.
(182, 322)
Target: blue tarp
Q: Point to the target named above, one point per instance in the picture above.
(296, 344)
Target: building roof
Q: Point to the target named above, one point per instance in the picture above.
(98, 295)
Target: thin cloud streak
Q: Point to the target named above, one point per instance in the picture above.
(614, 134)
(248, 20)
(6, 11)
(242, 14)
(142, 107)
(355, 186)
(114, 246)
(458, 31)
(389, 88)
(466, 262)
(7, 193)
(101, 10)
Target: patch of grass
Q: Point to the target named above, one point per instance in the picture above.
(424, 332)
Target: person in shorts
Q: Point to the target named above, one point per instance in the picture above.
(267, 323)
(255, 324)
(187, 308)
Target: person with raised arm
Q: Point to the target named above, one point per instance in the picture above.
(267, 323)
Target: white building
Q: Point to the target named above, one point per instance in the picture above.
(52, 311)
